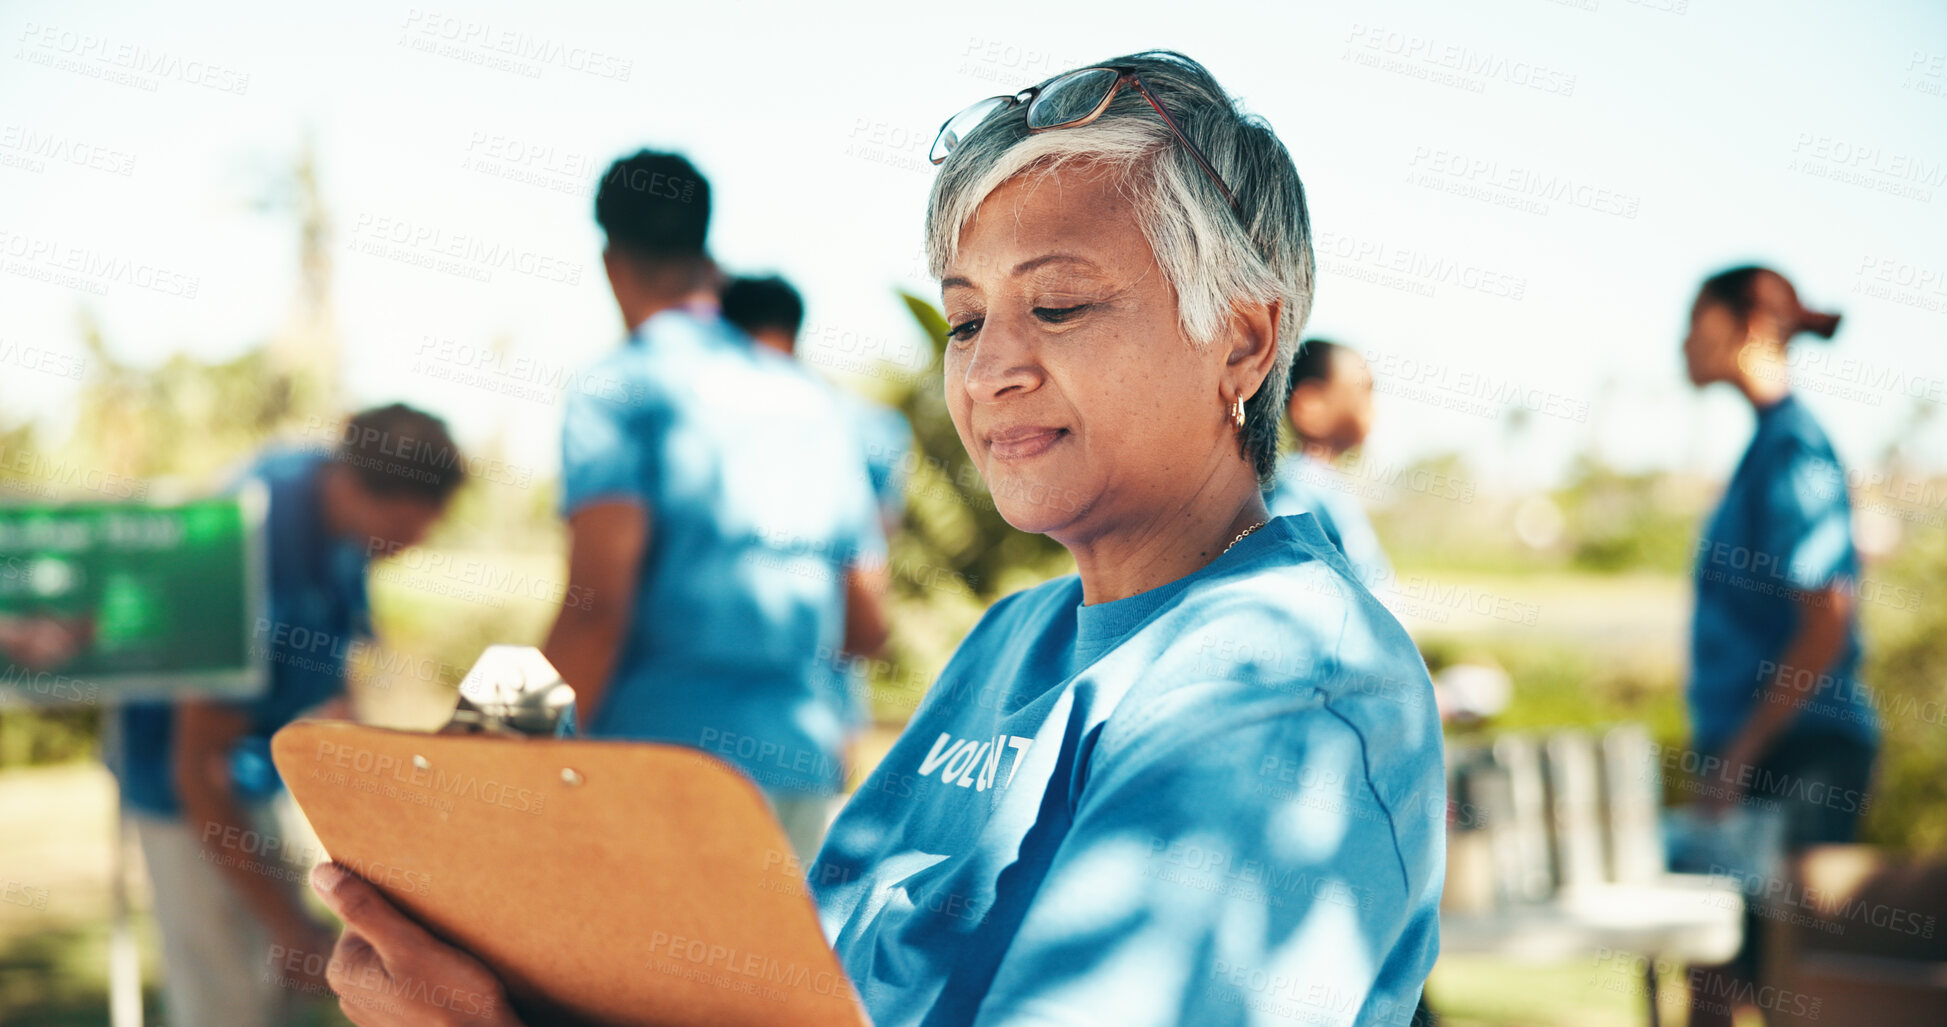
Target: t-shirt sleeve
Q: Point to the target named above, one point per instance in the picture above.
(1806, 524)
(1241, 874)
(608, 445)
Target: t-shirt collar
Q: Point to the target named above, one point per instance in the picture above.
(1100, 626)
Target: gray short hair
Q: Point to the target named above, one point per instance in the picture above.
(1211, 260)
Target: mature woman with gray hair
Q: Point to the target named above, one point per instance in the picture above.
(1200, 781)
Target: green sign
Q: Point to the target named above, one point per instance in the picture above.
(106, 601)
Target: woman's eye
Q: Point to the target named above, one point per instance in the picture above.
(964, 330)
(1056, 315)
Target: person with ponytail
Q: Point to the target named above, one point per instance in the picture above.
(1775, 654)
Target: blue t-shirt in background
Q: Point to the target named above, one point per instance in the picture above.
(758, 502)
(1218, 802)
(888, 440)
(1307, 485)
(318, 613)
(1783, 527)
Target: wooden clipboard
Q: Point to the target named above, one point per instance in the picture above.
(607, 883)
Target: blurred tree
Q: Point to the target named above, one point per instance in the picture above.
(1906, 668)
(185, 420)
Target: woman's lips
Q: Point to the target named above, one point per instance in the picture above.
(1023, 443)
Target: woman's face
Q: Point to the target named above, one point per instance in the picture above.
(1710, 350)
(1068, 376)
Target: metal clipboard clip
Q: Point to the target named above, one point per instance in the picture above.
(513, 690)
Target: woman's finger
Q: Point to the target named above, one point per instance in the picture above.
(367, 913)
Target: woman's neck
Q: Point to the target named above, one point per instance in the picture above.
(1763, 376)
(1172, 541)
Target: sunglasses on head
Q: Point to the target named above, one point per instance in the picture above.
(1070, 101)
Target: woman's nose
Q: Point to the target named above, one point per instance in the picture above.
(1001, 362)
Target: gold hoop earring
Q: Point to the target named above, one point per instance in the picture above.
(1237, 413)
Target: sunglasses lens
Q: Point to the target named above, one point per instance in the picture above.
(961, 125)
(1072, 97)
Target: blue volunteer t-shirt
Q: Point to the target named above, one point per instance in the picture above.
(758, 503)
(318, 613)
(1307, 485)
(1221, 801)
(1784, 527)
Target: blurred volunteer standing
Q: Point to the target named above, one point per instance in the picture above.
(719, 519)
(1774, 659)
(196, 779)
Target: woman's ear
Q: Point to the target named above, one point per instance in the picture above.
(1252, 346)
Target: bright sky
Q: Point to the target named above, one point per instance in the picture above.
(1514, 202)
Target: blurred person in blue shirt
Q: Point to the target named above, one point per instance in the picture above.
(769, 310)
(196, 778)
(1330, 411)
(723, 539)
(1199, 781)
(1774, 692)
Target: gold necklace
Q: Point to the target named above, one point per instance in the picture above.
(1240, 536)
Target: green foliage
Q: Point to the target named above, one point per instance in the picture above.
(1615, 521)
(1562, 683)
(1906, 668)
